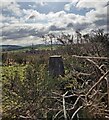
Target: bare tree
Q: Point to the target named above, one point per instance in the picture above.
(79, 36)
(51, 36)
(86, 38)
(44, 39)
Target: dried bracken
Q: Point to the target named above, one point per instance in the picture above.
(93, 102)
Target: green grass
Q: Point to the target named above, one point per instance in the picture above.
(36, 47)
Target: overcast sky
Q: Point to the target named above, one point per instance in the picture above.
(23, 22)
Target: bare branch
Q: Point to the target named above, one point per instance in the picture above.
(97, 66)
(88, 57)
(21, 116)
(57, 114)
(64, 109)
(76, 112)
(101, 78)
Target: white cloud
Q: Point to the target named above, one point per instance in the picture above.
(6, 3)
(18, 30)
(14, 8)
(45, 0)
(34, 14)
(7, 19)
(24, 41)
(56, 22)
(67, 7)
(11, 7)
(97, 14)
(41, 3)
(91, 4)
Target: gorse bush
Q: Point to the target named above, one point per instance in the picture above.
(25, 90)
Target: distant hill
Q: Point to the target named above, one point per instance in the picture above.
(24, 48)
(10, 47)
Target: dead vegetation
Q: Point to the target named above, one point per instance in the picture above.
(91, 100)
(83, 92)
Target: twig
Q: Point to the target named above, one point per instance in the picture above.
(21, 116)
(64, 109)
(101, 78)
(84, 74)
(51, 109)
(76, 101)
(108, 89)
(96, 92)
(97, 66)
(57, 114)
(74, 105)
(76, 112)
(56, 94)
(89, 57)
(68, 96)
(71, 96)
(107, 117)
